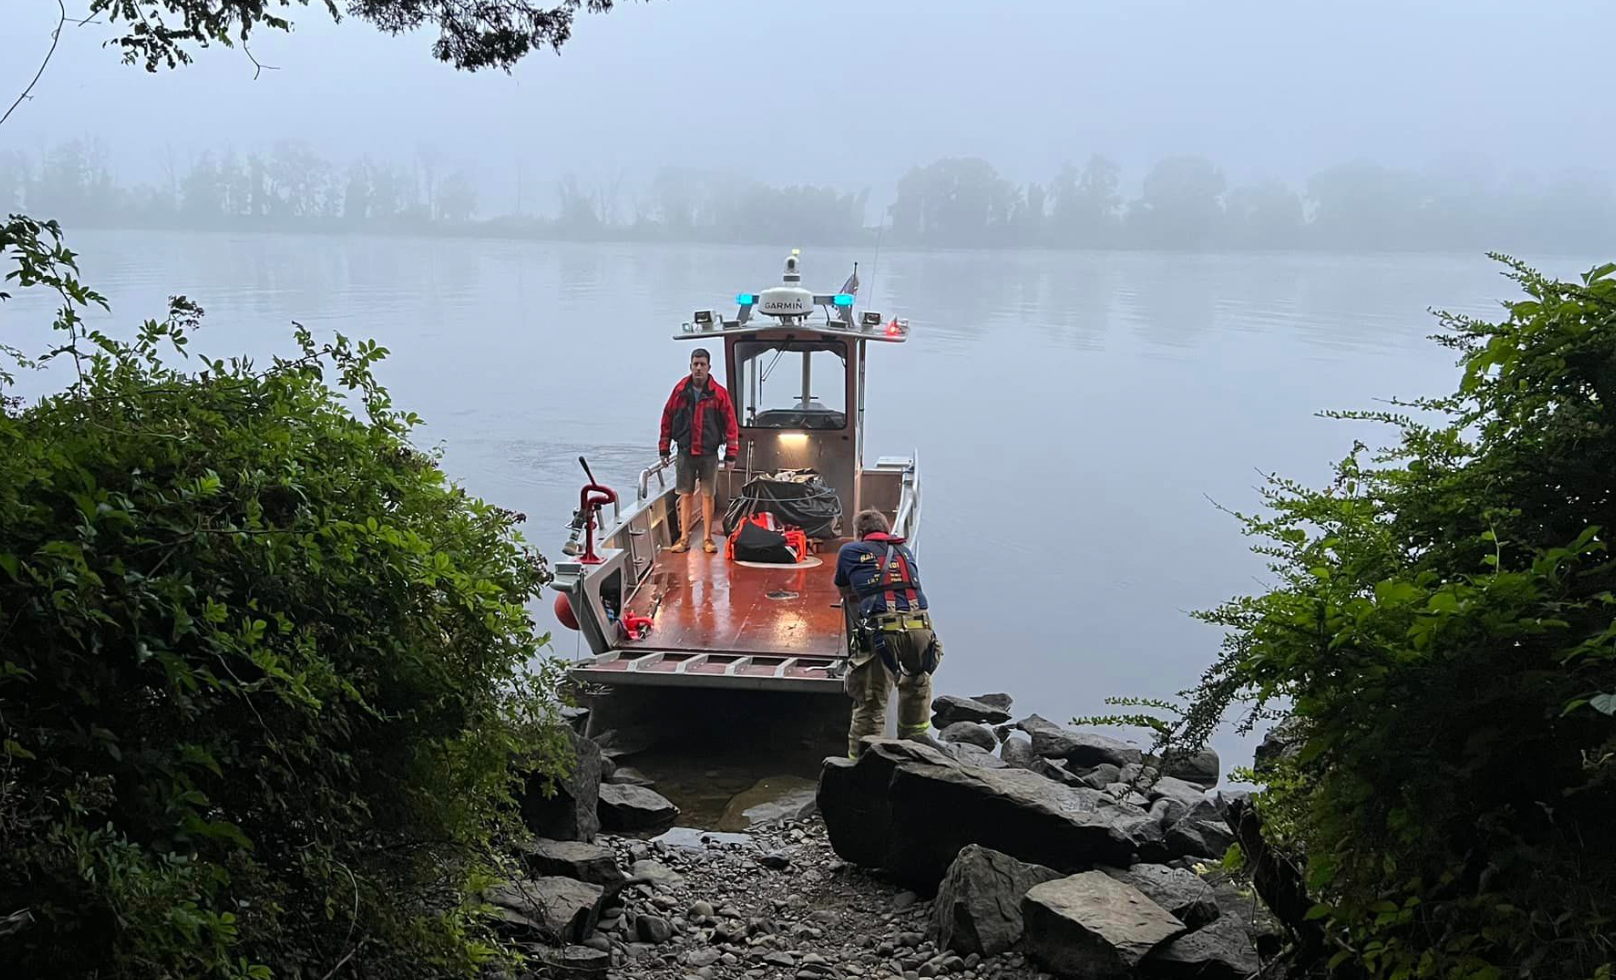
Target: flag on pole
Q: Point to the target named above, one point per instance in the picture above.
(850, 287)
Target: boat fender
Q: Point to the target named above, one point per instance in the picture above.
(563, 611)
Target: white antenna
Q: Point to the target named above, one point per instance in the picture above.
(875, 266)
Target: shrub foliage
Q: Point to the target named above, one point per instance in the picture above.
(1442, 631)
(264, 683)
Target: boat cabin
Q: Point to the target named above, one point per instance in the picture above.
(794, 365)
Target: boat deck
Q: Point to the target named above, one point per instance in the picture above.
(710, 605)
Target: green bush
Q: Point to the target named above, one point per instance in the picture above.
(1442, 630)
(263, 671)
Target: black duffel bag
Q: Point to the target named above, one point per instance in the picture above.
(806, 503)
(758, 543)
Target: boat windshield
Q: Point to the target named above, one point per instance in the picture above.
(793, 384)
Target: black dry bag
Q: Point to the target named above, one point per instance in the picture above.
(757, 543)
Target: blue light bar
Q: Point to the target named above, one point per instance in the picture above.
(745, 299)
(844, 299)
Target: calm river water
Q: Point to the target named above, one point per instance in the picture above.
(1077, 414)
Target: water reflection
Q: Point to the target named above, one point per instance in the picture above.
(954, 295)
(1079, 290)
(716, 754)
(1169, 298)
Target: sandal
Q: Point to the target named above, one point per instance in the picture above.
(680, 546)
(708, 546)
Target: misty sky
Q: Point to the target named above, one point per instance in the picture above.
(852, 92)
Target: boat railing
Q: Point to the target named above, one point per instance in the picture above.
(906, 521)
(655, 469)
(905, 516)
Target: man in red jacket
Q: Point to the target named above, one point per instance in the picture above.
(699, 417)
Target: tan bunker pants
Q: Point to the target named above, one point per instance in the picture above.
(869, 684)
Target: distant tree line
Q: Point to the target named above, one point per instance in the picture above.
(290, 187)
(1183, 202)
(1186, 202)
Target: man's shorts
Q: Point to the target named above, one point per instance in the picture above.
(687, 469)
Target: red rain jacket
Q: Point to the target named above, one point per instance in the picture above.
(699, 419)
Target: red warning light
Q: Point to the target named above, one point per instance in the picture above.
(893, 329)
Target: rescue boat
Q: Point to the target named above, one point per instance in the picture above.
(794, 364)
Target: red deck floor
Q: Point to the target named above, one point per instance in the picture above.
(710, 605)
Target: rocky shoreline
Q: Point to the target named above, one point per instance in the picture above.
(1010, 850)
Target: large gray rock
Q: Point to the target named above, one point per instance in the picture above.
(1101, 776)
(631, 808)
(909, 809)
(1200, 833)
(854, 802)
(1282, 742)
(567, 808)
(975, 756)
(972, 733)
(1056, 769)
(1125, 793)
(560, 910)
(951, 708)
(1017, 753)
(1166, 812)
(1222, 950)
(572, 859)
(1083, 750)
(1171, 788)
(1183, 893)
(1092, 926)
(1262, 929)
(1200, 767)
(1000, 701)
(621, 743)
(1032, 723)
(978, 906)
(657, 874)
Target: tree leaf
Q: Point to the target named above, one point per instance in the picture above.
(1389, 592)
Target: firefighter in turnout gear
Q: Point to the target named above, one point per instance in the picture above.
(893, 640)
